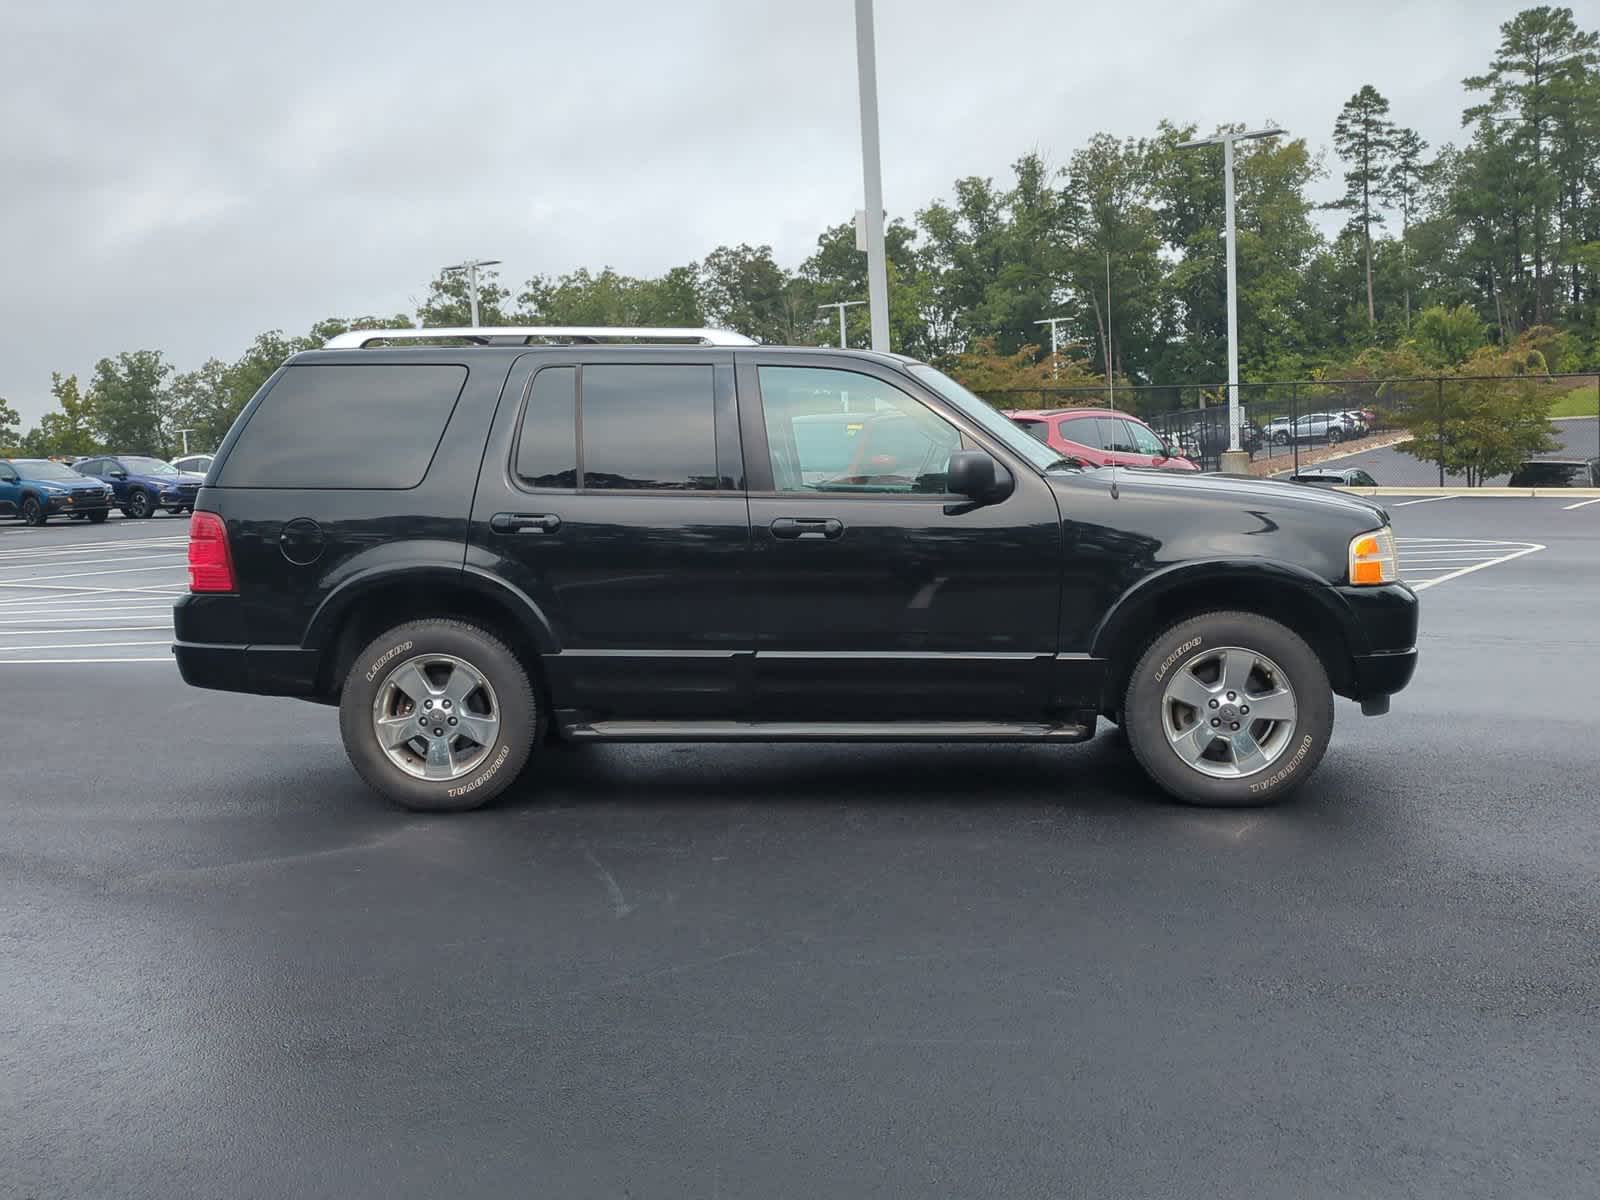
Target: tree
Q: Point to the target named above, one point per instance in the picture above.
(1539, 49)
(448, 302)
(203, 402)
(1364, 137)
(1403, 187)
(1447, 337)
(1486, 421)
(65, 432)
(742, 288)
(10, 427)
(129, 404)
(1026, 379)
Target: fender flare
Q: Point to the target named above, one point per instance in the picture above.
(1124, 616)
(517, 604)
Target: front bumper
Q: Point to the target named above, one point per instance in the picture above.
(67, 506)
(1383, 639)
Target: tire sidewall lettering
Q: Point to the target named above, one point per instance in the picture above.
(1172, 659)
(387, 657)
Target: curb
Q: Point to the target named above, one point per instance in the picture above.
(1484, 493)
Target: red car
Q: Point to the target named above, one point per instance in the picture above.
(1100, 436)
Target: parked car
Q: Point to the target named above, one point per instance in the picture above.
(143, 485)
(1313, 427)
(1101, 437)
(194, 464)
(475, 548)
(37, 489)
(1557, 473)
(1344, 477)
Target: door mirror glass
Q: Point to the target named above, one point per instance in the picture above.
(117, 473)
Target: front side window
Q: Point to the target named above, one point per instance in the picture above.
(1114, 435)
(149, 466)
(648, 427)
(1145, 442)
(831, 430)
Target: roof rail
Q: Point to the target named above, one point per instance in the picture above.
(514, 335)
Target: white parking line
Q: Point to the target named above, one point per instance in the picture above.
(1424, 500)
(36, 662)
(1423, 585)
(1580, 504)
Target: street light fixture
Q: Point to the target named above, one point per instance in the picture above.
(1227, 140)
(841, 305)
(471, 268)
(1054, 322)
(872, 177)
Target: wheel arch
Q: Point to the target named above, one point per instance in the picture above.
(1282, 592)
(364, 606)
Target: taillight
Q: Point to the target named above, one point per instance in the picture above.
(210, 563)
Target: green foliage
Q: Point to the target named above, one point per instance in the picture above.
(1487, 421)
(1447, 337)
(128, 402)
(10, 428)
(1365, 138)
(66, 431)
(1025, 378)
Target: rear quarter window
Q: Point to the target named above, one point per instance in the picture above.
(346, 426)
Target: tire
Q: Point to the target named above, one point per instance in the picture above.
(99, 518)
(140, 505)
(1335, 434)
(508, 693)
(32, 512)
(1182, 660)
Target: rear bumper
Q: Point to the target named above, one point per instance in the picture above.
(262, 670)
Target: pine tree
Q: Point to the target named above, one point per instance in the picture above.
(1364, 138)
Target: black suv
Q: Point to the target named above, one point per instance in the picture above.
(476, 547)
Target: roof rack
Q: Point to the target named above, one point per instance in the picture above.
(517, 335)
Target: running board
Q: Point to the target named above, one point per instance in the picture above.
(822, 731)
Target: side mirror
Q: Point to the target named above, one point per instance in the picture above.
(116, 473)
(975, 475)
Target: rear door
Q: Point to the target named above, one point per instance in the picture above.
(876, 603)
(612, 494)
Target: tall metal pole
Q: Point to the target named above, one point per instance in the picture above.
(472, 271)
(1227, 140)
(1233, 300)
(470, 266)
(872, 177)
(1055, 343)
(841, 305)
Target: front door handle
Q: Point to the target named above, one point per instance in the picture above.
(524, 522)
(807, 529)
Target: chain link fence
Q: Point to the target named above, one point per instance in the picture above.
(1443, 431)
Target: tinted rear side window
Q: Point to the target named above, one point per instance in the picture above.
(547, 448)
(355, 426)
(1083, 430)
(649, 426)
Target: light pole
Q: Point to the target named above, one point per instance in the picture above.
(471, 268)
(1227, 140)
(841, 305)
(1055, 345)
(872, 177)
(184, 434)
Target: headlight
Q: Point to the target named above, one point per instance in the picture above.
(1373, 559)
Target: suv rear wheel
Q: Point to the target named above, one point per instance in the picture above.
(438, 715)
(1229, 709)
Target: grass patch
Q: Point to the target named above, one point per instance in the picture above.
(1581, 401)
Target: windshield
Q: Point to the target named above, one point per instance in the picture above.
(149, 466)
(39, 468)
(994, 423)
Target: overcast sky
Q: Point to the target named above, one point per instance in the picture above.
(180, 175)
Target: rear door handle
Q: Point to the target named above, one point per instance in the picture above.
(807, 528)
(524, 522)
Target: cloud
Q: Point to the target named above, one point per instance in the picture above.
(183, 174)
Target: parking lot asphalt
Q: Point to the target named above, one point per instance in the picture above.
(1575, 437)
(229, 970)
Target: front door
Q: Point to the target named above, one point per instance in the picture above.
(881, 598)
(10, 491)
(612, 495)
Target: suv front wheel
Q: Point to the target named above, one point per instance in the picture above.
(438, 715)
(1229, 709)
